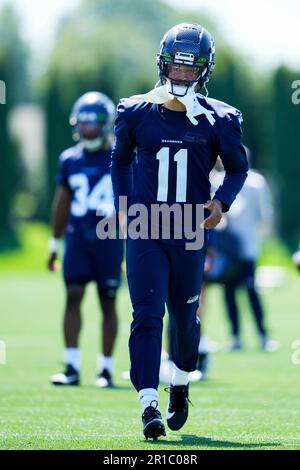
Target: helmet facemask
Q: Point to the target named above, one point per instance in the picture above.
(90, 129)
(181, 79)
(182, 76)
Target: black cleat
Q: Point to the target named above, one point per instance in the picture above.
(153, 423)
(178, 406)
(104, 380)
(69, 377)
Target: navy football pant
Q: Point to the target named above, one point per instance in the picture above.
(160, 274)
(245, 279)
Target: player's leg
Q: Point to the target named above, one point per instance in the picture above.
(267, 344)
(72, 316)
(108, 339)
(183, 300)
(72, 326)
(166, 362)
(107, 261)
(254, 298)
(148, 278)
(233, 315)
(204, 349)
(76, 268)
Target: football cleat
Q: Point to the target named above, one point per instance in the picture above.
(69, 377)
(236, 344)
(153, 425)
(104, 380)
(178, 406)
(269, 345)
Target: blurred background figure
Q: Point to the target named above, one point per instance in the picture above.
(250, 219)
(206, 345)
(233, 251)
(221, 265)
(83, 196)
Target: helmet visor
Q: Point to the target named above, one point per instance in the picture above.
(182, 74)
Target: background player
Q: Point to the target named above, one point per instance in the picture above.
(249, 218)
(233, 251)
(84, 187)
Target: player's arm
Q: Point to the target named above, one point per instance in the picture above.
(60, 209)
(121, 166)
(60, 215)
(234, 159)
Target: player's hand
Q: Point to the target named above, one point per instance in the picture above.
(52, 262)
(208, 264)
(215, 208)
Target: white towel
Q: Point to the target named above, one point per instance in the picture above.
(193, 107)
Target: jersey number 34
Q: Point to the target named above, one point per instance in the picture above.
(98, 199)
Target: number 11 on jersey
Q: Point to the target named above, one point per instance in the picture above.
(163, 174)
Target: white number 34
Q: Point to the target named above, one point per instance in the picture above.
(100, 198)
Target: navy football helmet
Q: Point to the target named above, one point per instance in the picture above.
(189, 45)
(92, 119)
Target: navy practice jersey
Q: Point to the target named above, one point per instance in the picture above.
(174, 157)
(87, 176)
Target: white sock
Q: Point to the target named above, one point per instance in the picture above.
(147, 397)
(105, 362)
(203, 345)
(72, 357)
(179, 377)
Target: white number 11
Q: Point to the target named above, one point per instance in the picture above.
(163, 174)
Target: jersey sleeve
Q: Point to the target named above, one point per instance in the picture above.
(122, 156)
(234, 158)
(62, 173)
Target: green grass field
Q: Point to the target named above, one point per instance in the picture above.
(251, 401)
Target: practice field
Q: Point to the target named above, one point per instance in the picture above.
(251, 401)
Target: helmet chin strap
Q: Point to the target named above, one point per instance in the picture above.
(91, 145)
(180, 91)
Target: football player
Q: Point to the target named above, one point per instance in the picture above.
(178, 134)
(84, 196)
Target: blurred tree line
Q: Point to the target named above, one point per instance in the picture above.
(111, 47)
(13, 72)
